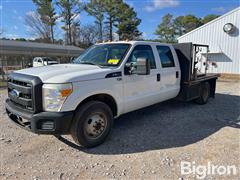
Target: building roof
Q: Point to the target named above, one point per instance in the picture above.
(230, 12)
(11, 47)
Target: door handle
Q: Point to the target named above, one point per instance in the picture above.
(158, 77)
(177, 74)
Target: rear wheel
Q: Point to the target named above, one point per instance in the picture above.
(92, 124)
(204, 94)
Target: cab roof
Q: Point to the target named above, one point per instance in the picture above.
(135, 42)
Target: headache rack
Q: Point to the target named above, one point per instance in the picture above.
(193, 60)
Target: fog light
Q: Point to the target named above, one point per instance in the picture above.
(47, 125)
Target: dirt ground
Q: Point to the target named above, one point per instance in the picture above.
(146, 144)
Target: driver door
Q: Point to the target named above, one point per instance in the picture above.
(141, 90)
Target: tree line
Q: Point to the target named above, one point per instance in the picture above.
(110, 16)
(171, 27)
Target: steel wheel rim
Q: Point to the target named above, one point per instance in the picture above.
(95, 125)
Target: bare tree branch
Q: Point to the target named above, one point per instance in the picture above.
(37, 27)
(88, 35)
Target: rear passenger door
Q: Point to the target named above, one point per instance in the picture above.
(141, 90)
(169, 71)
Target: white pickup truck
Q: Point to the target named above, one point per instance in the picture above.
(106, 81)
(43, 61)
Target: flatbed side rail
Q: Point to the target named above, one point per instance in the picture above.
(191, 90)
(207, 77)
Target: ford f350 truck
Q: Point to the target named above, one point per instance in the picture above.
(106, 81)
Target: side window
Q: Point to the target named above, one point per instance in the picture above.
(143, 51)
(166, 56)
(39, 60)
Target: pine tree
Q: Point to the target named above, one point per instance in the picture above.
(111, 11)
(166, 29)
(47, 14)
(70, 9)
(75, 31)
(209, 18)
(191, 22)
(95, 8)
(179, 25)
(127, 23)
(115, 14)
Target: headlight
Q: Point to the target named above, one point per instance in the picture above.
(54, 96)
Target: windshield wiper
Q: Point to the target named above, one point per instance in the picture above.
(99, 65)
(90, 63)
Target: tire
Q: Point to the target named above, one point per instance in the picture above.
(92, 124)
(204, 94)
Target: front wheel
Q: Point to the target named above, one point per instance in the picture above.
(204, 94)
(92, 123)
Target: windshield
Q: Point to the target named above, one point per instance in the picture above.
(103, 55)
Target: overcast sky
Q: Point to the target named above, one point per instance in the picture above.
(12, 13)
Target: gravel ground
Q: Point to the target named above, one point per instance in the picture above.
(145, 144)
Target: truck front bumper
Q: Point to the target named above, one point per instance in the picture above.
(56, 123)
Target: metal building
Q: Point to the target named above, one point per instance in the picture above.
(10, 47)
(222, 36)
(16, 55)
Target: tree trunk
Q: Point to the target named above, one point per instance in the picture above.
(110, 29)
(70, 33)
(52, 33)
(101, 31)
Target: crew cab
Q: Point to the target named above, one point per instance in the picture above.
(106, 81)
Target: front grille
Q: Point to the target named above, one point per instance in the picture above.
(25, 91)
(21, 93)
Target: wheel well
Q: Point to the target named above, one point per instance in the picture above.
(107, 99)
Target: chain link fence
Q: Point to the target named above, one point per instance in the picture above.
(10, 63)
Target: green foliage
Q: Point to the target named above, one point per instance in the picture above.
(170, 28)
(95, 8)
(47, 14)
(46, 11)
(209, 18)
(110, 16)
(115, 14)
(20, 39)
(111, 12)
(69, 10)
(166, 29)
(179, 26)
(191, 22)
(127, 23)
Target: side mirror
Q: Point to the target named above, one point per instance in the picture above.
(142, 66)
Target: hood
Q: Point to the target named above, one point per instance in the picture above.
(62, 73)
